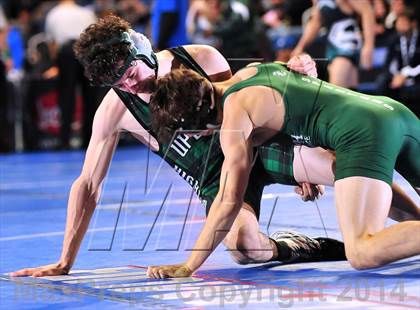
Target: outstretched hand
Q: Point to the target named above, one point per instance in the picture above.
(309, 191)
(397, 81)
(169, 271)
(42, 271)
(366, 57)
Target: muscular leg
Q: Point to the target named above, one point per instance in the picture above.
(343, 73)
(248, 245)
(362, 207)
(245, 241)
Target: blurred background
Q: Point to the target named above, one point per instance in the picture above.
(47, 104)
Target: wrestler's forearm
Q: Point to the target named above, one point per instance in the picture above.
(218, 223)
(233, 183)
(80, 208)
(310, 32)
(368, 25)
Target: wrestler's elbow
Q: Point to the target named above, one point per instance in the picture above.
(86, 187)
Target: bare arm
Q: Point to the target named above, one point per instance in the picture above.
(317, 165)
(311, 30)
(365, 10)
(211, 60)
(233, 183)
(235, 143)
(86, 189)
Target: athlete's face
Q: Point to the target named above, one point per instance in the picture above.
(138, 78)
(404, 25)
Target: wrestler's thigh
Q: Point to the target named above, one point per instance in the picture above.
(342, 72)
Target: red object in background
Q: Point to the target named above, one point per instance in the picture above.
(78, 113)
(48, 113)
(49, 116)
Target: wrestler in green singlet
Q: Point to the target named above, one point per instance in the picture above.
(370, 134)
(198, 159)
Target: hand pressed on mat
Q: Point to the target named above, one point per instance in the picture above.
(169, 271)
(56, 269)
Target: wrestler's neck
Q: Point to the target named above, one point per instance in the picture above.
(221, 87)
(408, 34)
(219, 90)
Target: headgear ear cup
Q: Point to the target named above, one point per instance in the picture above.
(144, 47)
(141, 48)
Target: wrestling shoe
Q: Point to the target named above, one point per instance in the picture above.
(295, 247)
(331, 249)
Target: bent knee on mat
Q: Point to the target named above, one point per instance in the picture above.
(244, 246)
(361, 254)
(239, 258)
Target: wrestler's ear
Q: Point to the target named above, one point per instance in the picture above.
(155, 84)
(212, 105)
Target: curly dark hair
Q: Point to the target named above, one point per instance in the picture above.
(100, 50)
(182, 99)
(408, 13)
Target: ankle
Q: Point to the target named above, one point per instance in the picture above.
(281, 251)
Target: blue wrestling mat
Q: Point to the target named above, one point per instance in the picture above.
(148, 215)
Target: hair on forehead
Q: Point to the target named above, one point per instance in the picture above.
(408, 13)
(100, 50)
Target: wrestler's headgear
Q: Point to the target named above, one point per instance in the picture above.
(139, 48)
